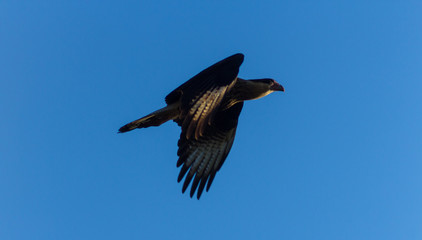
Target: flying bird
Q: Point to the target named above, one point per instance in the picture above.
(207, 108)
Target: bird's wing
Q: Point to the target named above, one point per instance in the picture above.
(201, 96)
(202, 158)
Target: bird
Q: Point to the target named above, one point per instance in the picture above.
(207, 108)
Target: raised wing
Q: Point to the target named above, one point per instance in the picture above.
(203, 157)
(201, 96)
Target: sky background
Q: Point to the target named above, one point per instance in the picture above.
(337, 156)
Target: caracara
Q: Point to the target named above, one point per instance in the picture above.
(207, 108)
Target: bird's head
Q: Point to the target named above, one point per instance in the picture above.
(269, 84)
(275, 86)
(265, 86)
(257, 88)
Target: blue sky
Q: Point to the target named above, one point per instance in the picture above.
(337, 156)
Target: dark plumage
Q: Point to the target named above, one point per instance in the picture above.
(207, 108)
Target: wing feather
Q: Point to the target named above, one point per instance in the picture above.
(202, 95)
(201, 158)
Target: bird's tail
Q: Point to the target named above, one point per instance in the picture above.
(154, 119)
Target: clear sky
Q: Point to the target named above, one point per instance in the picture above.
(337, 156)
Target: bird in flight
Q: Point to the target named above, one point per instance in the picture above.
(207, 108)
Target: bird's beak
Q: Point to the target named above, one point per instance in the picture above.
(277, 87)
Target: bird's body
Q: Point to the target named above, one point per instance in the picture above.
(207, 108)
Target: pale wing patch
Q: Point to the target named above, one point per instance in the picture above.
(201, 112)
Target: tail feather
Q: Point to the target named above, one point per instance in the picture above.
(154, 119)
